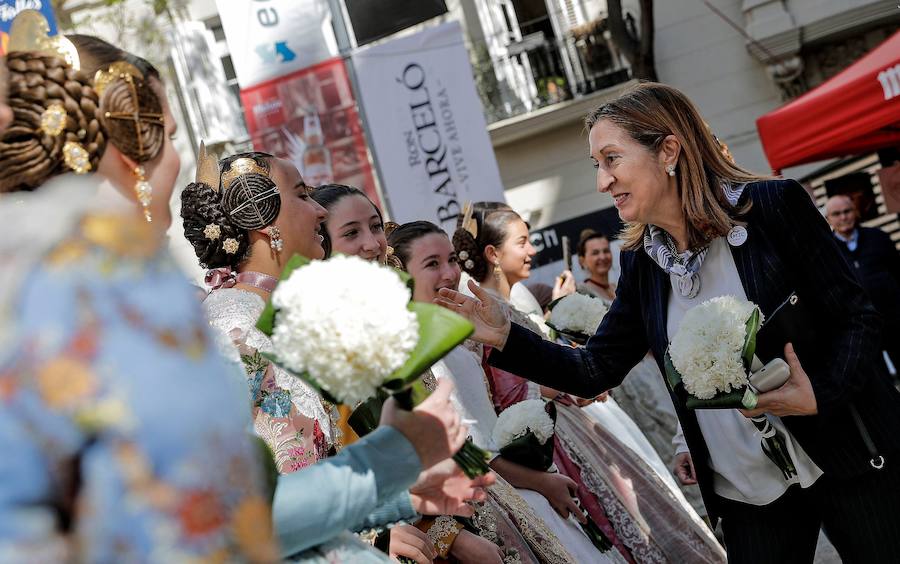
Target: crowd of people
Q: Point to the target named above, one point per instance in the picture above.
(140, 424)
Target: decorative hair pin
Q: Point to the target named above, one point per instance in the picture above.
(31, 32)
(212, 231)
(53, 120)
(240, 167)
(230, 246)
(76, 158)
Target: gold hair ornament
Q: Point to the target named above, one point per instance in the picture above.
(31, 32)
(207, 169)
(241, 167)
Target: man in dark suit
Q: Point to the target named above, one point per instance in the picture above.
(875, 261)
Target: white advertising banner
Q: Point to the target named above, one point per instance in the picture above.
(271, 38)
(426, 126)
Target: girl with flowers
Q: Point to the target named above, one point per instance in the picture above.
(245, 221)
(699, 227)
(519, 515)
(623, 495)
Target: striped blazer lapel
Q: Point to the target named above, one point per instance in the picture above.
(761, 272)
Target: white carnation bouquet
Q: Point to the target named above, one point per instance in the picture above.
(347, 327)
(577, 316)
(711, 357)
(524, 433)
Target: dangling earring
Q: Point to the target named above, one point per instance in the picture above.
(144, 191)
(670, 169)
(275, 240)
(498, 272)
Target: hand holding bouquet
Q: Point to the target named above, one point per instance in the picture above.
(347, 327)
(577, 316)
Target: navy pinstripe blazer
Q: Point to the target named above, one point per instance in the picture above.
(789, 249)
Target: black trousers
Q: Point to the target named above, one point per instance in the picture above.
(860, 517)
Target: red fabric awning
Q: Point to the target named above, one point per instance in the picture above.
(854, 112)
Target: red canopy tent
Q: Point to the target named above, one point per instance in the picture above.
(856, 111)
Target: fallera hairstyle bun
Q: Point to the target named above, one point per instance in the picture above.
(125, 96)
(490, 221)
(54, 107)
(217, 220)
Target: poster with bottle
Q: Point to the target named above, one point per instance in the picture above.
(310, 117)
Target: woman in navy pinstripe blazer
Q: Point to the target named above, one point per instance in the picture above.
(697, 226)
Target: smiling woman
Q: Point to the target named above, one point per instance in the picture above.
(355, 225)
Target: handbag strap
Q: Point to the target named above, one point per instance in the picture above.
(877, 461)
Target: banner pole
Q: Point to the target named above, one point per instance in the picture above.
(345, 50)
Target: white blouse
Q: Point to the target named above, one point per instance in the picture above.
(742, 472)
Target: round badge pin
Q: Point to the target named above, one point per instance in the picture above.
(737, 236)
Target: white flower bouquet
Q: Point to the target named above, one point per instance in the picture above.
(711, 357)
(348, 328)
(577, 316)
(524, 434)
(711, 353)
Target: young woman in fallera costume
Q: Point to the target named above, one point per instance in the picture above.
(514, 517)
(243, 223)
(622, 494)
(118, 418)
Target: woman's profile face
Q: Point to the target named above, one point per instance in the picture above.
(300, 217)
(355, 228)
(597, 259)
(633, 175)
(433, 265)
(516, 251)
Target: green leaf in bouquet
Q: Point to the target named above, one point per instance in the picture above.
(528, 451)
(673, 377)
(753, 325)
(266, 321)
(440, 330)
(365, 418)
(743, 398)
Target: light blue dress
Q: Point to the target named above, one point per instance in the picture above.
(124, 436)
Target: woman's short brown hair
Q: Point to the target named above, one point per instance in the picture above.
(649, 113)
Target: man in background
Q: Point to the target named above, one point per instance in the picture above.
(874, 257)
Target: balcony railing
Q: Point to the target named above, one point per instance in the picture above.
(537, 72)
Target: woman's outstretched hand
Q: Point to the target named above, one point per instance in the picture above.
(491, 323)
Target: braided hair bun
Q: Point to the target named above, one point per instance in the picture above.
(217, 221)
(491, 221)
(207, 227)
(142, 140)
(29, 154)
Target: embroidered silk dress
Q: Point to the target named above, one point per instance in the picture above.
(289, 415)
(124, 436)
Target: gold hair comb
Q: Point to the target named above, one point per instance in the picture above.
(31, 32)
(207, 169)
(468, 222)
(239, 168)
(117, 70)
